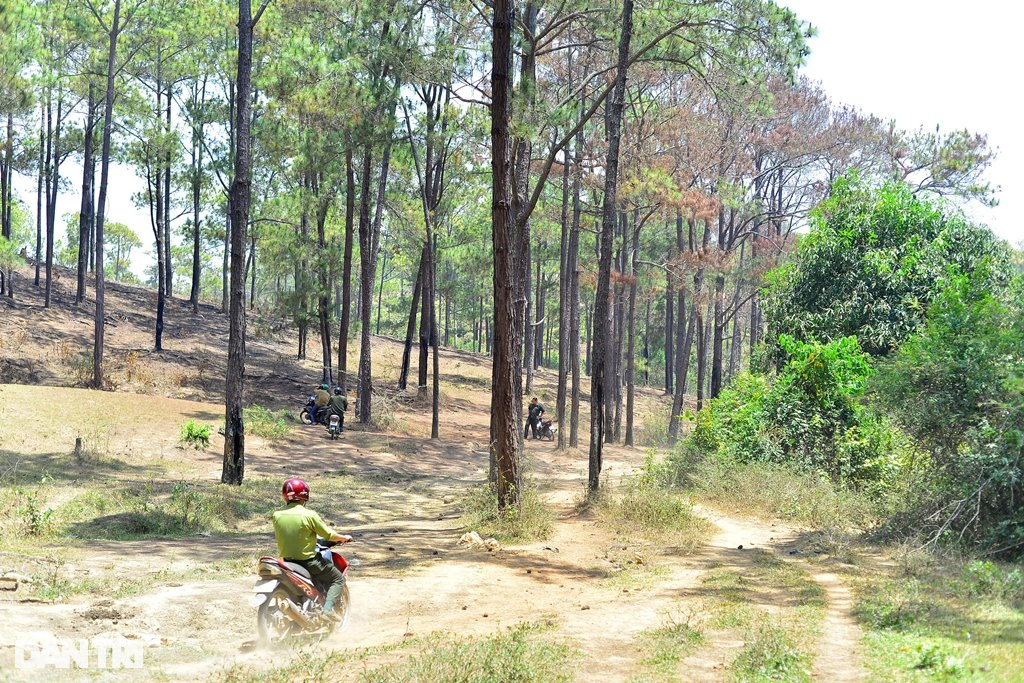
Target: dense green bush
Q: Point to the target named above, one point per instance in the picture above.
(808, 415)
(958, 388)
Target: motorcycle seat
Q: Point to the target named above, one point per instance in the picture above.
(298, 569)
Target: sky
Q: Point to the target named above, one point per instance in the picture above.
(931, 62)
(918, 62)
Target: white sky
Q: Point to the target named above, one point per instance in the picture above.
(928, 62)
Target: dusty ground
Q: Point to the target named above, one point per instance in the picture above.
(409, 575)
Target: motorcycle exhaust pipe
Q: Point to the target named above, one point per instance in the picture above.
(293, 613)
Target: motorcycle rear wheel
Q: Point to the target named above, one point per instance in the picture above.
(344, 609)
(271, 622)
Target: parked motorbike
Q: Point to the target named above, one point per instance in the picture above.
(334, 426)
(547, 430)
(305, 415)
(289, 602)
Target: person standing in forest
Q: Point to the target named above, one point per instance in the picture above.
(533, 416)
(339, 404)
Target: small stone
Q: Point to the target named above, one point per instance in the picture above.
(585, 607)
(739, 547)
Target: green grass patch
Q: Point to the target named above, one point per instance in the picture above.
(771, 653)
(522, 654)
(533, 521)
(633, 569)
(665, 648)
(775, 491)
(266, 423)
(519, 654)
(944, 621)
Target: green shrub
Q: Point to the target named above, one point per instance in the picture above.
(808, 415)
(533, 521)
(957, 388)
(195, 435)
(266, 423)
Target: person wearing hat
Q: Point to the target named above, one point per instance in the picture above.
(320, 400)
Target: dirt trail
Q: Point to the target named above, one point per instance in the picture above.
(409, 574)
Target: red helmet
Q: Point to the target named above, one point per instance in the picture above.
(295, 491)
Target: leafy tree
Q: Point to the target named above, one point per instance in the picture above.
(957, 388)
(873, 261)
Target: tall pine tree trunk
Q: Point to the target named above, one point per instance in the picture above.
(346, 270)
(602, 302)
(108, 117)
(403, 377)
(241, 193)
(506, 377)
(86, 215)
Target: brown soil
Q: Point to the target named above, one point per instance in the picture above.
(409, 575)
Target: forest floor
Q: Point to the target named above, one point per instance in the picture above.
(630, 607)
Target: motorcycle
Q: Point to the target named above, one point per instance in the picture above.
(334, 427)
(289, 602)
(547, 430)
(307, 411)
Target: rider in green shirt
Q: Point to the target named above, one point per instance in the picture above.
(296, 528)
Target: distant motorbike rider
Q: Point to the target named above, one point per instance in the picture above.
(536, 410)
(320, 400)
(296, 529)
(338, 405)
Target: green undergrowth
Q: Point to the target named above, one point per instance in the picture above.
(269, 424)
(774, 606)
(663, 650)
(534, 520)
(772, 652)
(935, 619)
(645, 507)
(525, 653)
(838, 515)
(650, 521)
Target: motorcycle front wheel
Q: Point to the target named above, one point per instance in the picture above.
(304, 417)
(272, 624)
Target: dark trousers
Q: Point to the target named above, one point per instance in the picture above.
(325, 574)
(531, 423)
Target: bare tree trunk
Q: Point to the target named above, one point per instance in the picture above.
(403, 377)
(168, 262)
(366, 276)
(324, 295)
(108, 117)
(86, 215)
(346, 274)
(241, 191)
(39, 193)
(197, 177)
(602, 302)
(564, 288)
(506, 380)
(631, 333)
